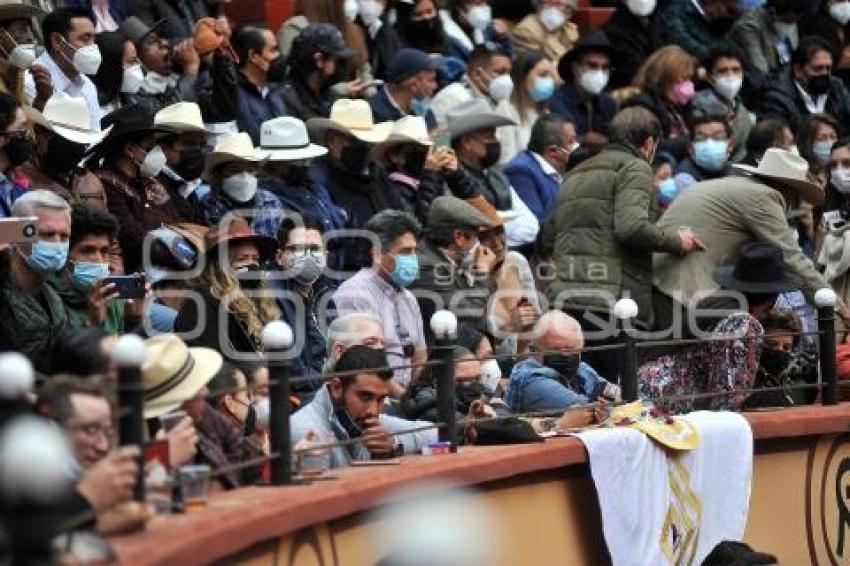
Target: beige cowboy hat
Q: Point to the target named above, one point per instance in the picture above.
(286, 139)
(173, 373)
(68, 117)
(351, 117)
(234, 147)
(17, 10)
(788, 169)
(182, 117)
(409, 129)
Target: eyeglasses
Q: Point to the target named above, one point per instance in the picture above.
(93, 430)
(314, 250)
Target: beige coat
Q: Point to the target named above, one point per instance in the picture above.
(726, 214)
(530, 34)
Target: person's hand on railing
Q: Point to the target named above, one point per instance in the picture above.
(111, 480)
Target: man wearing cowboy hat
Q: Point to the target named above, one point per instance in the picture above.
(728, 213)
(585, 70)
(473, 130)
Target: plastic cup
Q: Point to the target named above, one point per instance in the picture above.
(195, 483)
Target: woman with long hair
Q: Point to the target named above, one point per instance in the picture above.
(418, 25)
(119, 74)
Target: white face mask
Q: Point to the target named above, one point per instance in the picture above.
(86, 59)
(594, 81)
(371, 11)
(552, 18)
(153, 163)
(840, 179)
(840, 12)
(501, 88)
(24, 55)
(240, 187)
(641, 7)
(491, 373)
(479, 17)
(351, 10)
(132, 81)
(728, 86)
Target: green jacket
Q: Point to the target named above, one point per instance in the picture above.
(76, 306)
(603, 234)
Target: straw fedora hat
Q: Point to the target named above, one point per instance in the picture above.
(173, 373)
(409, 129)
(18, 10)
(286, 139)
(474, 115)
(67, 116)
(181, 117)
(351, 117)
(229, 148)
(788, 169)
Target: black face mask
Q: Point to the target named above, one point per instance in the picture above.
(424, 32)
(61, 158)
(297, 176)
(355, 157)
(414, 161)
(494, 152)
(18, 150)
(277, 70)
(348, 423)
(818, 85)
(775, 362)
(250, 425)
(247, 276)
(191, 164)
(465, 394)
(564, 364)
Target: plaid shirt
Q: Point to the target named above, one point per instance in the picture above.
(267, 212)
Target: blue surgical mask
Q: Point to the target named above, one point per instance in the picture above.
(711, 155)
(544, 88)
(47, 257)
(420, 106)
(406, 269)
(822, 150)
(86, 274)
(667, 191)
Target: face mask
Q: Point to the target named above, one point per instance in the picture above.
(544, 88)
(468, 259)
(307, 268)
(420, 106)
(249, 427)
(728, 86)
(86, 59)
(822, 150)
(818, 85)
(277, 70)
(491, 374)
(425, 30)
(406, 269)
(351, 10)
(47, 257)
(191, 164)
(479, 17)
(23, 56)
(552, 18)
(667, 191)
(18, 150)
(249, 276)
(297, 176)
(240, 187)
(370, 11)
(152, 164)
(775, 362)
(132, 81)
(261, 410)
(565, 364)
(501, 88)
(840, 179)
(86, 274)
(355, 157)
(494, 152)
(641, 7)
(465, 394)
(711, 155)
(61, 157)
(414, 160)
(594, 81)
(683, 92)
(840, 12)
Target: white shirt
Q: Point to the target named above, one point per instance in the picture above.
(524, 228)
(813, 105)
(79, 87)
(548, 170)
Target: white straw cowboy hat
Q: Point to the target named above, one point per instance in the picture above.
(173, 373)
(181, 117)
(67, 116)
(409, 129)
(229, 148)
(474, 115)
(352, 117)
(17, 10)
(788, 169)
(286, 139)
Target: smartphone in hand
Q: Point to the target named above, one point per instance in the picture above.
(128, 286)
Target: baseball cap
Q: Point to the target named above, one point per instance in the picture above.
(407, 62)
(320, 37)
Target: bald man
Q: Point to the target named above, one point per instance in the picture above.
(554, 377)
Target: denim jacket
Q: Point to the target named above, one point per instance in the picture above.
(535, 387)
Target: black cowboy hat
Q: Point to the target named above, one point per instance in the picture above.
(594, 41)
(759, 269)
(128, 123)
